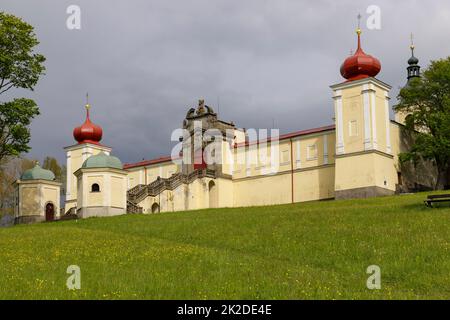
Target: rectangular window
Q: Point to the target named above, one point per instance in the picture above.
(285, 156)
(311, 152)
(297, 147)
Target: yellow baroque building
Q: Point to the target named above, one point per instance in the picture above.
(217, 164)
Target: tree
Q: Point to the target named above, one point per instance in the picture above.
(20, 67)
(10, 171)
(426, 100)
(6, 189)
(63, 179)
(24, 165)
(60, 171)
(52, 164)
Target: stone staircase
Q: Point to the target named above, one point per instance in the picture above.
(133, 208)
(142, 191)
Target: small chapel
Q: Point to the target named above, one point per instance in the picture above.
(354, 157)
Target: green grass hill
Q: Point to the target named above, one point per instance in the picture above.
(316, 250)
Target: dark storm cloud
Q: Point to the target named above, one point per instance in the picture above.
(145, 63)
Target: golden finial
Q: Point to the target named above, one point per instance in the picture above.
(358, 31)
(87, 106)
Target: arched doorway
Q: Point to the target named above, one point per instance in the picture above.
(155, 208)
(213, 196)
(49, 212)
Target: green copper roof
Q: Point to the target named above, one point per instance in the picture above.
(37, 173)
(102, 160)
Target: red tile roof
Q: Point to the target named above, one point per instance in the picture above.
(146, 162)
(305, 132)
(293, 134)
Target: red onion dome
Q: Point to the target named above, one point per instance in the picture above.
(88, 132)
(360, 65)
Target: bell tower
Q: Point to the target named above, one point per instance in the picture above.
(413, 68)
(364, 161)
(413, 72)
(88, 137)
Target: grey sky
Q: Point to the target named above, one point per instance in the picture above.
(145, 63)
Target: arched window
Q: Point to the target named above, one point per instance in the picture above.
(95, 188)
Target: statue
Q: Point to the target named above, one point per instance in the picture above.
(190, 113)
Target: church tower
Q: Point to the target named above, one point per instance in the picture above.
(364, 161)
(88, 137)
(413, 72)
(413, 68)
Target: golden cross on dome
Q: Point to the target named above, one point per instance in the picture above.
(88, 106)
(412, 42)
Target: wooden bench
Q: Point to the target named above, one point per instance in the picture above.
(436, 198)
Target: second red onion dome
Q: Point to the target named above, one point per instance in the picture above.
(360, 65)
